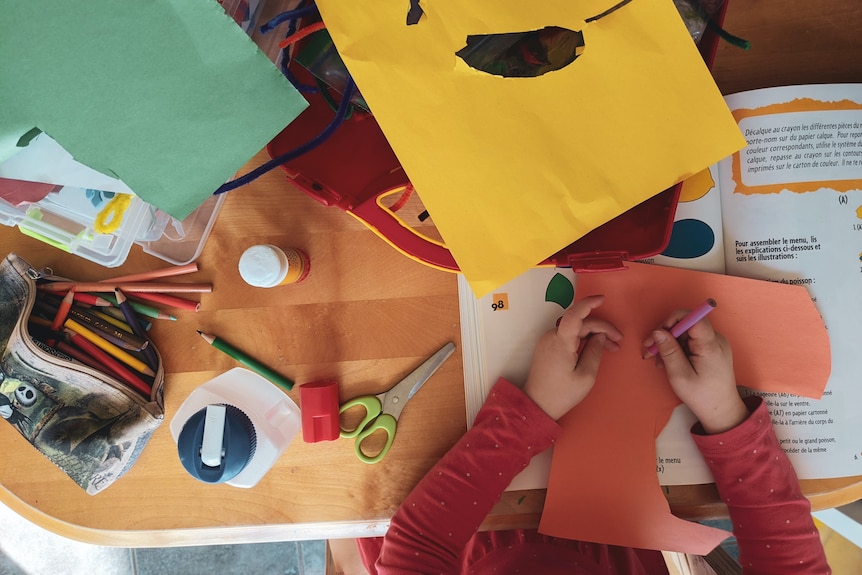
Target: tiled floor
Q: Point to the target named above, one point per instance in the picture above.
(26, 549)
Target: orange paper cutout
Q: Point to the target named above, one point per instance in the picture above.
(603, 485)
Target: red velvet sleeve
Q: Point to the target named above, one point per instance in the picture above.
(434, 523)
(771, 518)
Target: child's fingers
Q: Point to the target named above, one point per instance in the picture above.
(594, 325)
(674, 359)
(671, 320)
(591, 356)
(702, 338)
(701, 335)
(573, 320)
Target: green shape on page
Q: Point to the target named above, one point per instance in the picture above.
(560, 291)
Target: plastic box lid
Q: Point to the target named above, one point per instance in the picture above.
(65, 219)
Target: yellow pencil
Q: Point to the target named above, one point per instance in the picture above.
(109, 348)
(113, 321)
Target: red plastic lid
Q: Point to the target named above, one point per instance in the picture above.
(319, 404)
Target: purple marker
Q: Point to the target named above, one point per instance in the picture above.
(687, 322)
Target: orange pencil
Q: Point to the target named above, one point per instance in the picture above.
(63, 310)
(160, 273)
(135, 287)
(169, 300)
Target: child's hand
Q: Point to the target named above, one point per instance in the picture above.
(699, 367)
(562, 374)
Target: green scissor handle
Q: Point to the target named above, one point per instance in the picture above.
(372, 406)
(373, 421)
(385, 422)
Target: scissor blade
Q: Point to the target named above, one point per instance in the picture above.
(398, 396)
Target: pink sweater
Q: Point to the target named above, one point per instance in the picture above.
(434, 530)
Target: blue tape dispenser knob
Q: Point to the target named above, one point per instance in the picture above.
(216, 443)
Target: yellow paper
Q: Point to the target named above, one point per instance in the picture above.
(514, 169)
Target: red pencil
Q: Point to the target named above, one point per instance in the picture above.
(79, 355)
(169, 300)
(108, 363)
(92, 299)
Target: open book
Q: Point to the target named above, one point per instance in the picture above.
(787, 208)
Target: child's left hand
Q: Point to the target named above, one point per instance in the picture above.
(561, 377)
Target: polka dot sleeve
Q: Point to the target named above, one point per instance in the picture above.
(434, 523)
(771, 518)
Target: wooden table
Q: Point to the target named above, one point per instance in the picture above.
(365, 316)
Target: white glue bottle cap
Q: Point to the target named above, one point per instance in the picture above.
(268, 266)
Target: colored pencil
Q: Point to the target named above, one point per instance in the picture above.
(117, 336)
(154, 274)
(129, 313)
(169, 300)
(120, 320)
(134, 287)
(109, 364)
(247, 361)
(686, 323)
(143, 309)
(91, 299)
(78, 354)
(114, 321)
(114, 334)
(109, 348)
(63, 310)
(40, 321)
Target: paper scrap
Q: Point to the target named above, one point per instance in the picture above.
(17, 192)
(170, 96)
(603, 485)
(44, 160)
(514, 169)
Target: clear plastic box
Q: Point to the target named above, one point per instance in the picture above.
(65, 219)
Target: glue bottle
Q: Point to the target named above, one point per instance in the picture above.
(267, 266)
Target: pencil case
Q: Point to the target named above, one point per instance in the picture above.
(89, 424)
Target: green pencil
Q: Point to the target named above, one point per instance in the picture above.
(247, 361)
(141, 308)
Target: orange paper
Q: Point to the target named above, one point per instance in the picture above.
(603, 485)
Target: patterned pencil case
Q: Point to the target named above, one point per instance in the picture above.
(89, 424)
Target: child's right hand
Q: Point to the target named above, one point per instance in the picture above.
(699, 367)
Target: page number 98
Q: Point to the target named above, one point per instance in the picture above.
(500, 302)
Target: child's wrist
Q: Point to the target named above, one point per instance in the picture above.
(723, 417)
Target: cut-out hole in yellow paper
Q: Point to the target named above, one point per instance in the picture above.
(523, 54)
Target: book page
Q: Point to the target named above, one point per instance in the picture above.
(498, 335)
(792, 212)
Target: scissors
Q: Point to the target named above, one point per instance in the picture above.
(382, 410)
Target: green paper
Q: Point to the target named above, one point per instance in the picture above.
(170, 96)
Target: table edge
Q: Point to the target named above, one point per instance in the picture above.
(835, 493)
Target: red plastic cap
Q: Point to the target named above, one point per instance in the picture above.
(320, 419)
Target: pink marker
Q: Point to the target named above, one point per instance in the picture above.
(687, 322)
